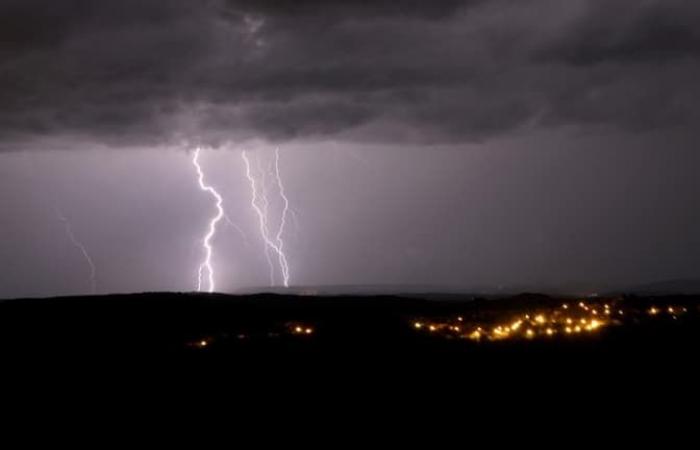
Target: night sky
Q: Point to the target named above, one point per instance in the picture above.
(470, 144)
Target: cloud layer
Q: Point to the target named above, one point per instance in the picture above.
(145, 72)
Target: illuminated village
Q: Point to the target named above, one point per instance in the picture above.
(567, 320)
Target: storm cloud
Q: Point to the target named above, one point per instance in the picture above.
(152, 72)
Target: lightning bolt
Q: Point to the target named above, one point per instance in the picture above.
(260, 203)
(206, 265)
(283, 221)
(79, 245)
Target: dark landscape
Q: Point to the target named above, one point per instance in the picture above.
(525, 336)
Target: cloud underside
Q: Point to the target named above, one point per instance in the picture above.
(141, 72)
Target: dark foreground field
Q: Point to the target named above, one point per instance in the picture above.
(629, 338)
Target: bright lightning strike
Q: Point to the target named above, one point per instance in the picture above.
(206, 265)
(79, 245)
(283, 221)
(259, 203)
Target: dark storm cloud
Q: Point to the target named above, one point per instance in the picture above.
(629, 63)
(148, 72)
(334, 10)
(631, 31)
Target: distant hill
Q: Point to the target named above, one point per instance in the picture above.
(430, 291)
(668, 287)
(362, 290)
